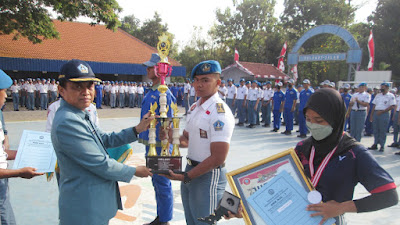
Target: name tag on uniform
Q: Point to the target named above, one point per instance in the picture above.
(203, 133)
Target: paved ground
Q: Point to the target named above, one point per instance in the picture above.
(35, 201)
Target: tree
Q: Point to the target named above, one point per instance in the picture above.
(386, 29)
(31, 19)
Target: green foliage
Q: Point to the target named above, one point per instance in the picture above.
(31, 19)
(149, 31)
(386, 29)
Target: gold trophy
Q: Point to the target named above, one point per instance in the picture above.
(161, 164)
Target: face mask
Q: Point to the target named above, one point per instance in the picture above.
(319, 132)
(382, 90)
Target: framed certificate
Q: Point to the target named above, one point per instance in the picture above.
(248, 180)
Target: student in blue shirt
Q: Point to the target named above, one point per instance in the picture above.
(277, 106)
(346, 96)
(289, 107)
(305, 94)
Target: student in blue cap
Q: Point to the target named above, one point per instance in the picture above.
(277, 106)
(382, 104)
(346, 96)
(162, 185)
(241, 99)
(357, 111)
(253, 98)
(99, 95)
(209, 124)
(6, 211)
(15, 89)
(88, 190)
(231, 96)
(305, 94)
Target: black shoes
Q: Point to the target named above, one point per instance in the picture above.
(382, 149)
(274, 130)
(156, 221)
(302, 136)
(393, 145)
(266, 125)
(240, 124)
(251, 126)
(286, 132)
(373, 147)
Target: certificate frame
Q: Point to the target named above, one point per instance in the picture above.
(248, 179)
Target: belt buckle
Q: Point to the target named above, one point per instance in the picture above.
(189, 162)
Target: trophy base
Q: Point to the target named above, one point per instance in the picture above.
(162, 164)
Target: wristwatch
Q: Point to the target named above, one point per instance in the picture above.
(135, 131)
(186, 178)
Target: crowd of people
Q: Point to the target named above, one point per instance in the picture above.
(86, 169)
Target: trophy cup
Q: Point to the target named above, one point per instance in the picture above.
(161, 164)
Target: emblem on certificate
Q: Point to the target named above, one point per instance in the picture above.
(276, 191)
(161, 164)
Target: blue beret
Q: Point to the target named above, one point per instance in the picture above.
(254, 81)
(237, 85)
(223, 81)
(5, 80)
(242, 80)
(386, 84)
(230, 80)
(206, 67)
(248, 82)
(362, 84)
(268, 82)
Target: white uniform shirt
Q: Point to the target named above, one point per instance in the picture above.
(205, 124)
(43, 88)
(131, 90)
(14, 88)
(107, 88)
(252, 94)
(192, 91)
(268, 94)
(241, 92)
(382, 102)
(3, 154)
(121, 89)
(186, 88)
(30, 88)
(223, 90)
(232, 91)
(363, 97)
(140, 90)
(37, 86)
(113, 89)
(53, 107)
(53, 87)
(398, 102)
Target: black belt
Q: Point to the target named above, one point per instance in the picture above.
(194, 163)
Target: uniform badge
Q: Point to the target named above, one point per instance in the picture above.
(219, 125)
(206, 67)
(83, 68)
(203, 133)
(220, 108)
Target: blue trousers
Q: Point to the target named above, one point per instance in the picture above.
(266, 114)
(296, 113)
(302, 123)
(229, 102)
(99, 99)
(288, 117)
(43, 101)
(31, 100)
(241, 110)
(164, 197)
(368, 125)
(246, 109)
(380, 124)
(251, 112)
(201, 196)
(396, 128)
(53, 96)
(258, 113)
(132, 100)
(6, 211)
(277, 119)
(113, 100)
(357, 119)
(15, 98)
(191, 100)
(186, 102)
(121, 100)
(140, 99)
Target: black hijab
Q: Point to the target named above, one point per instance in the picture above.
(330, 106)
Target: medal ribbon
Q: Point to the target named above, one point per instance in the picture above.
(315, 178)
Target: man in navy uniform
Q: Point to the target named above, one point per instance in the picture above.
(304, 96)
(89, 192)
(289, 107)
(210, 125)
(346, 96)
(162, 185)
(99, 95)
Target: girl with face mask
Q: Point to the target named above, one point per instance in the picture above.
(335, 162)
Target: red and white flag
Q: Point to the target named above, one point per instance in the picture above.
(371, 49)
(294, 72)
(281, 64)
(236, 55)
